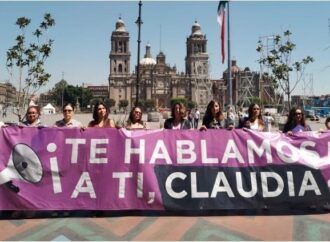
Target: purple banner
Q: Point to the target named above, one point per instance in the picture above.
(109, 169)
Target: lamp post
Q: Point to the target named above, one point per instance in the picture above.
(138, 22)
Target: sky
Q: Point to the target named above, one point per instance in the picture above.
(83, 31)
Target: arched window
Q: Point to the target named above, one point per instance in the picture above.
(120, 68)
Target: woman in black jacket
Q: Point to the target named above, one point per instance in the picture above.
(178, 120)
(214, 118)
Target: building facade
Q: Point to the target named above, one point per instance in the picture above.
(158, 80)
(161, 82)
(8, 95)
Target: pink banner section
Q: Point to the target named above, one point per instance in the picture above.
(109, 169)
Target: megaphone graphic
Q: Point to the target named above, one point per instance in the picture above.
(23, 164)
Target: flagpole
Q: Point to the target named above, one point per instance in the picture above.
(230, 86)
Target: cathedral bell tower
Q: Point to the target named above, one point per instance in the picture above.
(197, 57)
(119, 63)
(197, 67)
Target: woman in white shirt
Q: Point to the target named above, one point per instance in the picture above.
(254, 120)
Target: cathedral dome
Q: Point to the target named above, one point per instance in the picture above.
(196, 29)
(234, 67)
(120, 25)
(148, 60)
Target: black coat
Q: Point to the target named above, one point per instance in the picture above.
(185, 124)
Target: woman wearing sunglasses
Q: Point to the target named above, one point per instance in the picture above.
(68, 121)
(296, 122)
(135, 119)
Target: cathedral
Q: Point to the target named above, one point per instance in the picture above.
(158, 80)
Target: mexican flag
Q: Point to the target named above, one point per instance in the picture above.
(221, 20)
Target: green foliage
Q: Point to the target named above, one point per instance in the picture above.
(191, 105)
(26, 60)
(62, 92)
(149, 104)
(279, 61)
(94, 101)
(178, 99)
(123, 104)
(140, 103)
(110, 102)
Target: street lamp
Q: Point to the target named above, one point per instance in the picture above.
(138, 22)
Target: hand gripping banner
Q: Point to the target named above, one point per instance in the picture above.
(110, 169)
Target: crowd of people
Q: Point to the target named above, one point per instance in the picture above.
(181, 118)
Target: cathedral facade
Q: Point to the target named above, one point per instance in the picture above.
(158, 80)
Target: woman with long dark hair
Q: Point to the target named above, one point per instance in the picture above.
(214, 118)
(135, 119)
(100, 117)
(296, 122)
(254, 121)
(178, 119)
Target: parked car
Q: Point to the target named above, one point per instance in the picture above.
(314, 118)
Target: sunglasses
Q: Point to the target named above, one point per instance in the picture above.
(298, 114)
(67, 110)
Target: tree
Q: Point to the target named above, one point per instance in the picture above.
(279, 61)
(62, 92)
(149, 104)
(123, 104)
(25, 61)
(178, 99)
(110, 102)
(191, 104)
(57, 93)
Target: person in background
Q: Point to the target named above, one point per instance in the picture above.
(197, 116)
(254, 121)
(296, 122)
(327, 123)
(191, 118)
(135, 119)
(178, 120)
(230, 115)
(268, 119)
(214, 118)
(68, 121)
(32, 117)
(101, 117)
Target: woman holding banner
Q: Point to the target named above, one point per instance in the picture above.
(296, 122)
(135, 119)
(254, 121)
(68, 113)
(100, 117)
(327, 123)
(178, 119)
(214, 118)
(32, 117)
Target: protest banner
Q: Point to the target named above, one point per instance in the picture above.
(110, 169)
